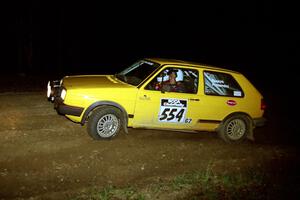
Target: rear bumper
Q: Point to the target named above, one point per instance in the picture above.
(258, 122)
(64, 109)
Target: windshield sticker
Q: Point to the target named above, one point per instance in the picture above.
(172, 110)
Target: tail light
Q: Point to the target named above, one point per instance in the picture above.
(263, 105)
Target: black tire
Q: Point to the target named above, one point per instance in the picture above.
(235, 128)
(105, 122)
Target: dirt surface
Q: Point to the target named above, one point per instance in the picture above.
(45, 156)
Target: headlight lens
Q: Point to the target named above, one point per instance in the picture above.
(48, 89)
(63, 94)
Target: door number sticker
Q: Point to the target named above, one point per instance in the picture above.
(172, 110)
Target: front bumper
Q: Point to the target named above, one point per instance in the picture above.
(64, 109)
(54, 90)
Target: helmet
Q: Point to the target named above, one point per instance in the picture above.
(179, 75)
(163, 77)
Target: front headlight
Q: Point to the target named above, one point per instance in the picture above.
(48, 90)
(63, 94)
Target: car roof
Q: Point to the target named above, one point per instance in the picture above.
(165, 61)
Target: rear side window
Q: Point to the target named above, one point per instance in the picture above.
(221, 84)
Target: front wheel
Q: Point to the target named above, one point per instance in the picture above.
(104, 123)
(235, 129)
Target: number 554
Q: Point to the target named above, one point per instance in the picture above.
(172, 114)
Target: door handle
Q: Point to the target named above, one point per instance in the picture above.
(194, 99)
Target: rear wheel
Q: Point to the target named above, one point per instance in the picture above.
(235, 128)
(104, 122)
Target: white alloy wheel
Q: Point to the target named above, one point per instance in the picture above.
(107, 125)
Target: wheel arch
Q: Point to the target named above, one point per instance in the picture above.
(106, 103)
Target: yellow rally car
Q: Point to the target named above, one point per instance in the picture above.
(161, 94)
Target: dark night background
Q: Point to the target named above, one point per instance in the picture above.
(51, 39)
(46, 40)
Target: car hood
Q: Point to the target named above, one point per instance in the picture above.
(93, 81)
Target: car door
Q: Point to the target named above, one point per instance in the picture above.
(159, 108)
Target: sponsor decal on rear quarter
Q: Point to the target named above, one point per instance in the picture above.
(231, 102)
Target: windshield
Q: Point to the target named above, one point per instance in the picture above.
(137, 72)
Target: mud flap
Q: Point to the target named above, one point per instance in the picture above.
(250, 135)
(125, 123)
(125, 129)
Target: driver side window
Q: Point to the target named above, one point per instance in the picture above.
(175, 79)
